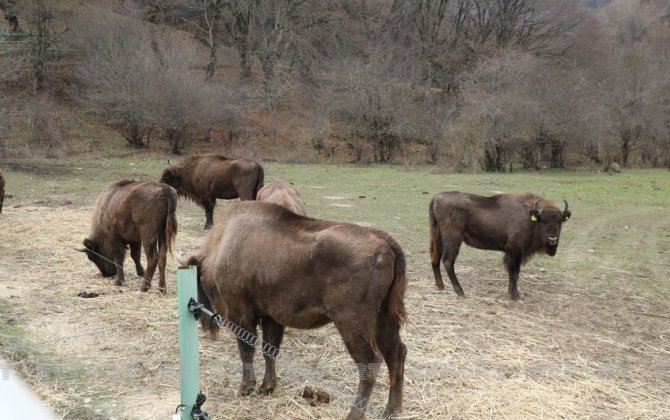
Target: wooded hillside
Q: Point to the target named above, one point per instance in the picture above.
(489, 85)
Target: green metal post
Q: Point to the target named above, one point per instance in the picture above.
(189, 358)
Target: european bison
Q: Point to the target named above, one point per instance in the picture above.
(284, 194)
(135, 214)
(262, 263)
(2, 190)
(519, 225)
(204, 178)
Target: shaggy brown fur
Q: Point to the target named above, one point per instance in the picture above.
(519, 225)
(284, 194)
(135, 214)
(204, 178)
(2, 190)
(262, 263)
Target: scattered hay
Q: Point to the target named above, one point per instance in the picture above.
(561, 353)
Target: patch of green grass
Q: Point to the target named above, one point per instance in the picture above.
(619, 234)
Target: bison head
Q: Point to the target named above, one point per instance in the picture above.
(171, 176)
(549, 220)
(96, 255)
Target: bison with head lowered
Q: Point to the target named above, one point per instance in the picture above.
(284, 194)
(133, 214)
(519, 225)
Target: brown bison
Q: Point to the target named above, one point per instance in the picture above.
(134, 214)
(262, 263)
(519, 225)
(284, 194)
(204, 178)
(2, 190)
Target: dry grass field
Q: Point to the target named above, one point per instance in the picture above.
(590, 338)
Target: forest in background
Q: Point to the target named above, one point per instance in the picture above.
(493, 85)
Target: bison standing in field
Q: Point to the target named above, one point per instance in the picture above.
(204, 178)
(262, 263)
(284, 194)
(519, 225)
(135, 214)
(2, 190)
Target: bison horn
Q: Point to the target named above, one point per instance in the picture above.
(182, 259)
(80, 248)
(537, 202)
(169, 163)
(566, 212)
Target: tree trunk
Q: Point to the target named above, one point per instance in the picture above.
(624, 149)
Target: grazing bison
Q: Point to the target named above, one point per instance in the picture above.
(262, 263)
(135, 214)
(284, 194)
(519, 225)
(204, 178)
(2, 190)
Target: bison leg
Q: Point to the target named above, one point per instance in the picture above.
(209, 213)
(368, 364)
(162, 261)
(273, 332)
(152, 261)
(394, 352)
(246, 333)
(135, 250)
(513, 265)
(118, 261)
(438, 275)
(449, 255)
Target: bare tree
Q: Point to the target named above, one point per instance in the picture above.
(636, 95)
(143, 82)
(119, 74)
(9, 6)
(39, 15)
(499, 115)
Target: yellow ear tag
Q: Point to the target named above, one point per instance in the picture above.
(533, 218)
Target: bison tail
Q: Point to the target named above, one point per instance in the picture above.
(171, 218)
(435, 237)
(206, 323)
(396, 295)
(260, 178)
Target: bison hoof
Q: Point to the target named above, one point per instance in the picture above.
(145, 286)
(246, 389)
(266, 389)
(356, 414)
(515, 296)
(140, 272)
(390, 412)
